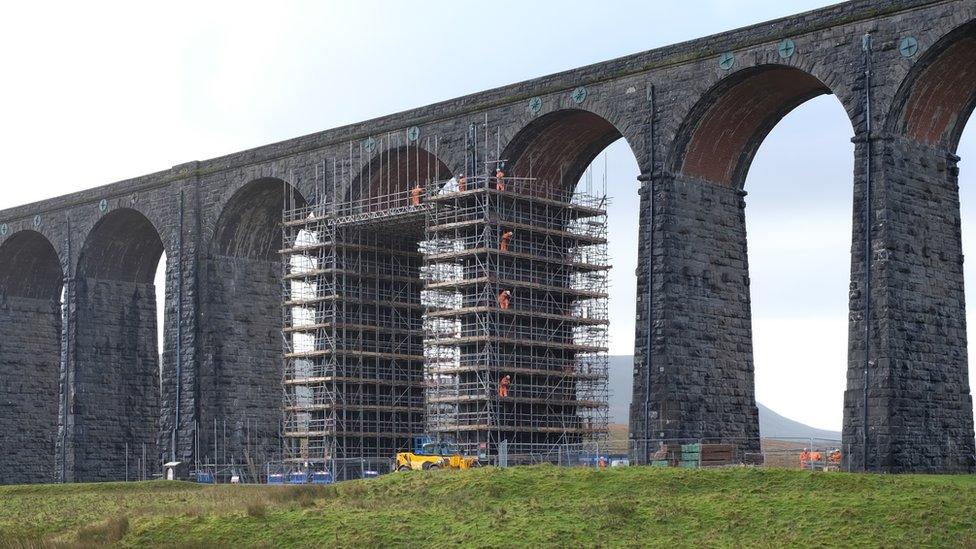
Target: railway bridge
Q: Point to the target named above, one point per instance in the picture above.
(83, 384)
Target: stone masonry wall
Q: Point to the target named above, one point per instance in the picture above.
(242, 359)
(182, 317)
(920, 411)
(702, 375)
(646, 368)
(30, 333)
(116, 380)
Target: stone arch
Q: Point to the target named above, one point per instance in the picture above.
(241, 364)
(720, 135)
(115, 404)
(936, 99)
(31, 279)
(716, 137)
(249, 223)
(557, 147)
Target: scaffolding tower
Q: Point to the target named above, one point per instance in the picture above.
(353, 334)
(393, 326)
(526, 370)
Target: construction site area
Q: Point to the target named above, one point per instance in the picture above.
(421, 305)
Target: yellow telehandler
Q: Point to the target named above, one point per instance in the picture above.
(429, 455)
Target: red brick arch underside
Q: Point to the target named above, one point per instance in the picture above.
(939, 94)
(722, 133)
(556, 148)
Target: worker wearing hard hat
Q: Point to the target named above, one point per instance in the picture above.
(503, 386)
(499, 179)
(506, 238)
(504, 299)
(415, 195)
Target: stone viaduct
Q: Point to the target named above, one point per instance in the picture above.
(80, 382)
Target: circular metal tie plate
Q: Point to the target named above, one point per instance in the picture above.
(786, 49)
(579, 95)
(726, 60)
(908, 46)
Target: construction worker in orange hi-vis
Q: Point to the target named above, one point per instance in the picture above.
(415, 195)
(503, 386)
(506, 238)
(499, 179)
(462, 183)
(504, 299)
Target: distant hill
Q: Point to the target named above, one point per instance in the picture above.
(771, 424)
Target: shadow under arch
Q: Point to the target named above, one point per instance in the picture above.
(378, 287)
(30, 267)
(721, 134)
(115, 405)
(556, 148)
(249, 225)
(123, 245)
(938, 96)
(241, 366)
(385, 180)
(30, 353)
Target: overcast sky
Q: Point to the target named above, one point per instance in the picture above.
(98, 92)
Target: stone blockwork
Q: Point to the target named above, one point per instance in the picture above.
(701, 381)
(667, 104)
(920, 412)
(114, 402)
(29, 388)
(241, 368)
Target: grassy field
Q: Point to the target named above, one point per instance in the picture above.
(538, 506)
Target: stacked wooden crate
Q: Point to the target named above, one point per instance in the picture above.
(692, 456)
(715, 455)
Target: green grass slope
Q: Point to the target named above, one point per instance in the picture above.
(536, 506)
